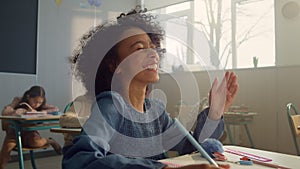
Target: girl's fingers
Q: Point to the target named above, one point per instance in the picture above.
(214, 85)
(222, 88)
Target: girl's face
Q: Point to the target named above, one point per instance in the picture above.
(36, 102)
(138, 57)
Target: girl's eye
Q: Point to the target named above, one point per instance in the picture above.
(143, 45)
(139, 47)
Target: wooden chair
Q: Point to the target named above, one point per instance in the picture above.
(294, 122)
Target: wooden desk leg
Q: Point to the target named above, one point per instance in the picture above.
(19, 145)
(249, 135)
(229, 134)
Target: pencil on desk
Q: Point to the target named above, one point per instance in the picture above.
(195, 143)
(269, 164)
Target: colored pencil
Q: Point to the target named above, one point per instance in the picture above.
(195, 143)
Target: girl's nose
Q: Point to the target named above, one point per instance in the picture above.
(151, 53)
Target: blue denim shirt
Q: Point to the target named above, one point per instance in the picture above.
(117, 136)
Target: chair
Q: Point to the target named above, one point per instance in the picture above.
(69, 118)
(69, 123)
(31, 152)
(5, 125)
(68, 107)
(294, 122)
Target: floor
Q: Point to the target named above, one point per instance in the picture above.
(52, 162)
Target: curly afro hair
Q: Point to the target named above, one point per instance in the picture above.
(97, 49)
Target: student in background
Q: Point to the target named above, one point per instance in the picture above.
(126, 129)
(33, 100)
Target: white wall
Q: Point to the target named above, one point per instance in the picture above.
(59, 31)
(287, 36)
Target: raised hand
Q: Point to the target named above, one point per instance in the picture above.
(232, 88)
(216, 96)
(217, 99)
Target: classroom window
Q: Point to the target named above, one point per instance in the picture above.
(251, 22)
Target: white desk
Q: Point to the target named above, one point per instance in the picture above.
(289, 161)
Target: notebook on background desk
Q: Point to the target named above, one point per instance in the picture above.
(39, 114)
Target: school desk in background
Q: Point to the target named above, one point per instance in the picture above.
(30, 122)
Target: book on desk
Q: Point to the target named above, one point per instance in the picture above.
(39, 114)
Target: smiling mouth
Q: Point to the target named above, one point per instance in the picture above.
(151, 67)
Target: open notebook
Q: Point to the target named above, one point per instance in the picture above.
(35, 114)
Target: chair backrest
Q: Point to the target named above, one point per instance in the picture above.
(294, 122)
(68, 107)
(294, 119)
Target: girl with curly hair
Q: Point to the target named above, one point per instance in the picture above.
(117, 62)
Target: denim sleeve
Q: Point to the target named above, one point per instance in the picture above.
(85, 154)
(205, 128)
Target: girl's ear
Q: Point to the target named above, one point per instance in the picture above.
(112, 67)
